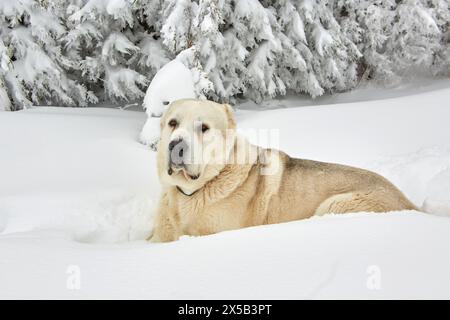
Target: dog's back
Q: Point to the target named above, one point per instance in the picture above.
(315, 188)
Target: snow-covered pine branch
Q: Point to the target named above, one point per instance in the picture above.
(101, 34)
(398, 39)
(31, 32)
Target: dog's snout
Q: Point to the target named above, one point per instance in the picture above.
(178, 149)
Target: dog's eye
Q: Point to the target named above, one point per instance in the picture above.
(173, 123)
(166, 103)
(204, 128)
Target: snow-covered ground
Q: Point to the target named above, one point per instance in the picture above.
(77, 192)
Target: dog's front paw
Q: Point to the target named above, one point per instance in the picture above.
(162, 237)
(154, 239)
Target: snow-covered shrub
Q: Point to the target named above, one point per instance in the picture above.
(440, 11)
(415, 38)
(260, 49)
(323, 58)
(5, 63)
(34, 57)
(397, 38)
(101, 36)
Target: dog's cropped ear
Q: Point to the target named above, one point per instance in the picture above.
(230, 116)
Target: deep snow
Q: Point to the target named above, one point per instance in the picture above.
(77, 190)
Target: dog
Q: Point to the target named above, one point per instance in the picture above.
(215, 180)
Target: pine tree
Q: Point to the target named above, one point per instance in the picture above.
(101, 37)
(368, 24)
(415, 38)
(440, 10)
(37, 73)
(5, 62)
(222, 55)
(209, 46)
(316, 56)
(397, 38)
(295, 62)
(253, 49)
(152, 54)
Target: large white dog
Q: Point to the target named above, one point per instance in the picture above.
(213, 180)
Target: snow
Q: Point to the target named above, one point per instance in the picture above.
(78, 191)
(75, 179)
(322, 39)
(117, 41)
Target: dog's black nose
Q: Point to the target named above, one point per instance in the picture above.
(177, 148)
(173, 143)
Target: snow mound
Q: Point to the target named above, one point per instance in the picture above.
(172, 82)
(426, 176)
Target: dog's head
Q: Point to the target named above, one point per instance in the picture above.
(196, 140)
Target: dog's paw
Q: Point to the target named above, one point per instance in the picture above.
(154, 239)
(163, 237)
(150, 236)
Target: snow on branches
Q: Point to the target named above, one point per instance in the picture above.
(79, 52)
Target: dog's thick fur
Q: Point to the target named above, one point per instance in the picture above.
(233, 195)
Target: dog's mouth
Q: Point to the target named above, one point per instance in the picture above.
(183, 171)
